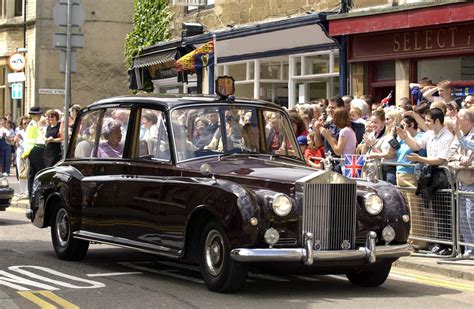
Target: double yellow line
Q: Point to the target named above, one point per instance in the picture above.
(34, 297)
(435, 282)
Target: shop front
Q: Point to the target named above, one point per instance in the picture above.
(286, 61)
(388, 51)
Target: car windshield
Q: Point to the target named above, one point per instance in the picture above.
(208, 131)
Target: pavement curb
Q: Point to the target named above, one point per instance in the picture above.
(430, 265)
(20, 202)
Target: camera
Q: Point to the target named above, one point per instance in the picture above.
(394, 143)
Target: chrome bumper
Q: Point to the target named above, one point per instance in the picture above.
(368, 254)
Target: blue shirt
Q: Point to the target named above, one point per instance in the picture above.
(405, 150)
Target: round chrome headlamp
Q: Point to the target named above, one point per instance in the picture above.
(281, 205)
(373, 203)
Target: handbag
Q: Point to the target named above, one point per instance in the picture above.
(25, 169)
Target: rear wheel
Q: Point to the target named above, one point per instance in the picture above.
(371, 276)
(66, 247)
(220, 272)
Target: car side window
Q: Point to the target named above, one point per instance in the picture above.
(153, 139)
(84, 141)
(113, 133)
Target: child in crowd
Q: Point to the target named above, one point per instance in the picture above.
(356, 115)
(314, 150)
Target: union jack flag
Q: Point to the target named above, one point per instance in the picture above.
(353, 165)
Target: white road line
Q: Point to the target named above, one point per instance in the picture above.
(115, 274)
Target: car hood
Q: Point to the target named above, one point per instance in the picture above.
(255, 168)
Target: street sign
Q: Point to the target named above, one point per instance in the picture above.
(17, 91)
(77, 40)
(17, 62)
(16, 77)
(62, 63)
(52, 91)
(77, 13)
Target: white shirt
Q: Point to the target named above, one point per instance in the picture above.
(436, 145)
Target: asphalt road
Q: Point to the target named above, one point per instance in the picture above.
(109, 277)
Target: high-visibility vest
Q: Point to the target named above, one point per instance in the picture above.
(33, 135)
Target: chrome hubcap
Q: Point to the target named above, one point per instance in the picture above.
(214, 250)
(62, 227)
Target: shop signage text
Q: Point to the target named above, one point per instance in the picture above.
(412, 43)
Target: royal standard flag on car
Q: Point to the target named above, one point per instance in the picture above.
(353, 165)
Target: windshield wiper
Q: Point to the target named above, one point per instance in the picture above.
(240, 153)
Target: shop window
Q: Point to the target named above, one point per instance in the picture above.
(271, 70)
(313, 76)
(385, 71)
(238, 71)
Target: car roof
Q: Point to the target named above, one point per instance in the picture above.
(169, 101)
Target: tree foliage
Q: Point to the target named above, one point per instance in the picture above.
(151, 24)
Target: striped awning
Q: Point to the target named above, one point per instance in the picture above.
(164, 59)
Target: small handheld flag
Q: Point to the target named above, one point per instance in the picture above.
(353, 165)
(386, 101)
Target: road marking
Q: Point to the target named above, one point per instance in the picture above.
(32, 296)
(115, 274)
(90, 284)
(431, 281)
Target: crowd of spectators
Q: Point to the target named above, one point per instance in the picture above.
(436, 130)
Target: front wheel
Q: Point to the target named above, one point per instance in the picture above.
(371, 276)
(220, 272)
(65, 245)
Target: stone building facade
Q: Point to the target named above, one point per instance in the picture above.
(303, 72)
(101, 69)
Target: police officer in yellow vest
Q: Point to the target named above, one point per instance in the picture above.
(34, 146)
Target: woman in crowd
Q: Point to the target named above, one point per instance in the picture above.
(19, 141)
(53, 139)
(347, 141)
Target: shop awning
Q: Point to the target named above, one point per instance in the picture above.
(165, 59)
(280, 37)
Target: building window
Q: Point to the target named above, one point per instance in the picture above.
(194, 8)
(19, 7)
(3, 4)
(313, 76)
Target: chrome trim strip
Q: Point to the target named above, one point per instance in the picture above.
(126, 243)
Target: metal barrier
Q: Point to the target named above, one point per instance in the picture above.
(465, 208)
(433, 217)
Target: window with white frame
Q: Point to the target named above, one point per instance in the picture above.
(313, 75)
(193, 8)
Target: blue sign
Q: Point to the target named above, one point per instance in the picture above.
(17, 91)
(463, 91)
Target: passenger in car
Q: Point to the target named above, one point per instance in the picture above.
(112, 147)
(250, 137)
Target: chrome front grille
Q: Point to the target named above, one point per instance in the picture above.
(329, 212)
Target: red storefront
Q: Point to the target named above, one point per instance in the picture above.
(389, 50)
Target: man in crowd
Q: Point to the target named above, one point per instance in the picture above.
(436, 141)
(460, 159)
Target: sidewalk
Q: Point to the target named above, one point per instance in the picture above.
(424, 264)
